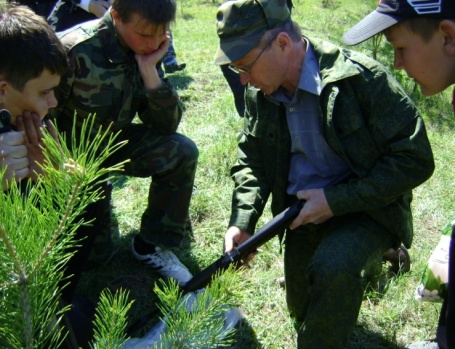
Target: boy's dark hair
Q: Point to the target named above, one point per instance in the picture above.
(423, 26)
(28, 46)
(158, 12)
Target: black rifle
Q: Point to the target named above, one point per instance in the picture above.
(267, 232)
(203, 278)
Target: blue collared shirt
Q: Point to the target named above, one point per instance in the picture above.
(313, 163)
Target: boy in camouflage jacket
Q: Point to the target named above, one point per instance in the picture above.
(113, 74)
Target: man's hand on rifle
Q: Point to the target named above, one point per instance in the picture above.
(234, 237)
(316, 209)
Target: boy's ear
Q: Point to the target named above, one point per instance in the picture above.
(447, 27)
(115, 15)
(3, 85)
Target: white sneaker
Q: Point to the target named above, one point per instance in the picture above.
(424, 345)
(165, 263)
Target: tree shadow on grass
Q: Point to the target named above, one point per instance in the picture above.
(180, 81)
(362, 338)
(245, 337)
(123, 271)
(120, 270)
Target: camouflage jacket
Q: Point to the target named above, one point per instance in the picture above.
(366, 118)
(104, 79)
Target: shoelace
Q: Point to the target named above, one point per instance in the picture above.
(165, 259)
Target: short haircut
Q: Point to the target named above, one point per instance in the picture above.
(291, 28)
(28, 46)
(425, 27)
(157, 12)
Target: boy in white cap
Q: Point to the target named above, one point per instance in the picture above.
(422, 34)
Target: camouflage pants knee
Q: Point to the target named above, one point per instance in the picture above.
(170, 161)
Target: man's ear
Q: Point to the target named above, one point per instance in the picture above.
(283, 40)
(447, 27)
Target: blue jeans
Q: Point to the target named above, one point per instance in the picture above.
(170, 56)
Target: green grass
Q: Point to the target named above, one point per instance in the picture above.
(389, 317)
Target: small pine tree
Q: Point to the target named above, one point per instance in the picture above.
(197, 320)
(111, 320)
(36, 231)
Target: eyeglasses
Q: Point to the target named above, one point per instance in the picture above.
(247, 70)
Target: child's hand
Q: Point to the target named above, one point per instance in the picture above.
(33, 140)
(13, 156)
(147, 62)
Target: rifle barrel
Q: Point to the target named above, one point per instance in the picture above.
(267, 232)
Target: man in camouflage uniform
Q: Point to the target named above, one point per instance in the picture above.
(113, 74)
(331, 127)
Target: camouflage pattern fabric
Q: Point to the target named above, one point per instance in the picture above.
(171, 161)
(323, 264)
(372, 124)
(242, 23)
(368, 120)
(104, 80)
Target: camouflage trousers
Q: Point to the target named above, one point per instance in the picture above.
(323, 265)
(170, 161)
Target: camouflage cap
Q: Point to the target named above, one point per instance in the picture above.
(242, 23)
